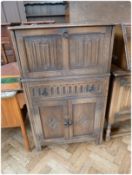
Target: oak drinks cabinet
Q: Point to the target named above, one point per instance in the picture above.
(65, 74)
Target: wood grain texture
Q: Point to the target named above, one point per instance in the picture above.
(109, 158)
(65, 71)
(57, 50)
(11, 115)
(119, 107)
(122, 47)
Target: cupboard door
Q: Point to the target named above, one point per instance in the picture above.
(40, 51)
(52, 116)
(86, 116)
(64, 51)
(90, 49)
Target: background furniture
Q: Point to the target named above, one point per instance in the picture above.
(7, 51)
(10, 77)
(13, 100)
(19, 11)
(65, 75)
(122, 47)
(11, 114)
(119, 106)
(42, 10)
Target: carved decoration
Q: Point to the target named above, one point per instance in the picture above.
(86, 50)
(44, 52)
(83, 120)
(67, 89)
(52, 122)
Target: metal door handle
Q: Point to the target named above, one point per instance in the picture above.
(66, 122)
(70, 122)
(65, 35)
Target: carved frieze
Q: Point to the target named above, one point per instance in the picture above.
(66, 89)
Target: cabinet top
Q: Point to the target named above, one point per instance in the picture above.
(36, 26)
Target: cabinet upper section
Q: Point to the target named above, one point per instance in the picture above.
(63, 50)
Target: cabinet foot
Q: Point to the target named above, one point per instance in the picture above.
(108, 132)
(38, 148)
(98, 141)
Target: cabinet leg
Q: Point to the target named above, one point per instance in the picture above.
(99, 140)
(38, 147)
(108, 132)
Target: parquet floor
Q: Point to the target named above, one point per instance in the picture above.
(108, 158)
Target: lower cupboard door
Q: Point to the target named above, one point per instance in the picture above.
(86, 117)
(52, 115)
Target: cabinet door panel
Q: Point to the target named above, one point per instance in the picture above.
(87, 116)
(44, 52)
(52, 115)
(83, 117)
(64, 50)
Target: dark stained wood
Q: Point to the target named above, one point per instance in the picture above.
(122, 47)
(119, 107)
(65, 50)
(83, 86)
(126, 29)
(65, 75)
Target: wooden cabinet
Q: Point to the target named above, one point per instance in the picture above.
(65, 75)
(63, 51)
(85, 117)
(122, 47)
(119, 108)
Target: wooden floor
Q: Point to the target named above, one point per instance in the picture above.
(108, 158)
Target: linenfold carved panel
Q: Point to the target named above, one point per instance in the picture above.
(86, 50)
(44, 52)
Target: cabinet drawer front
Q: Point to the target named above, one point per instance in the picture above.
(67, 88)
(62, 51)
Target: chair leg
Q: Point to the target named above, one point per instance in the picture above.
(25, 137)
(23, 128)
